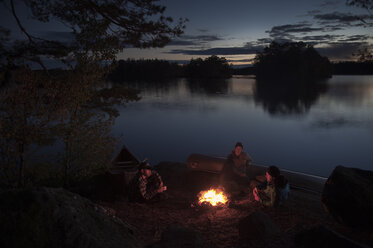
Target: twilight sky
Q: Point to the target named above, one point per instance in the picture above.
(237, 29)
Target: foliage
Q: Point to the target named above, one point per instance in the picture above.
(24, 117)
(364, 55)
(70, 106)
(366, 4)
(295, 61)
(353, 68)
(99, 29)
(211, 67)
(131, 70)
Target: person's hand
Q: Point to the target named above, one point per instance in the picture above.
(161, 189)
(255, 193)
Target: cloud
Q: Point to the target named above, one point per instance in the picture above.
(356, 38)
(202, 30)
(335, 47)
(194, 40)
(248, 48)
(341, 50)
(182, 43)
(331, 3)
(333, 27)
(214, 51)
(313, 12)
(344, 18)
(241, 60)
(320, 38)
(287, 31)
(264, 40)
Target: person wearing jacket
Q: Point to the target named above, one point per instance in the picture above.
(274, 191)
(148, 184)
(234, 173)
(237, 162)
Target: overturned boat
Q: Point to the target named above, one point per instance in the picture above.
(125, 165)
(298, 180)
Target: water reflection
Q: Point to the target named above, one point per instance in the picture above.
(281, 98)
(179, 117)
(208, 86)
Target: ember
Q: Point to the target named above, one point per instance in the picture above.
(212, 196)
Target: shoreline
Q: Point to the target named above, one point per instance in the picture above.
(219, 226)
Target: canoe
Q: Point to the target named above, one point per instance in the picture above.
(124, 165)
(125, 159)
(303, 181)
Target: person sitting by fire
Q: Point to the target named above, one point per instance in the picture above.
(234, 176)
(274, 190)
(237, 163)
(148, 184)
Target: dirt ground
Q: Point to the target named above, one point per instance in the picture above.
(218, 225)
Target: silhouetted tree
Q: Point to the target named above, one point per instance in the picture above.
(211, 67)
(24, 118)
(365, 4)
(353, 68)
(151, 69)
(293, 61)
(364, 55)
(248, 70)
(98, 31)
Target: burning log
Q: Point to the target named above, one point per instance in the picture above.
(211, 198)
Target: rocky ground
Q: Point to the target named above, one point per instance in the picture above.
(218, 227)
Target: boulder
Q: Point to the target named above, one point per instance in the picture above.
(257, 225)
(348, 197)
(323, 237)
(176, 235)
(54, 217)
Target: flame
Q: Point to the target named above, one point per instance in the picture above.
(212, 196)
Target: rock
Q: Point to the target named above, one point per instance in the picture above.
(323, 237)
(176, 235)
(257, 225)
(105, 186)
(54, 217)
(348, 197)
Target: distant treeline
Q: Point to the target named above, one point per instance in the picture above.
(338, 68)
(288, 61)
(353, 68)
(154, 69)
(129, 70)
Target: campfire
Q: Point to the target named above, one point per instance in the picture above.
(212, 197)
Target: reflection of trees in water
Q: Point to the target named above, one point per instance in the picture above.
(163, 86)
(208, 86)
(169, 86)
(288, 98)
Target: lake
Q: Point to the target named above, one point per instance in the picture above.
(309, 130)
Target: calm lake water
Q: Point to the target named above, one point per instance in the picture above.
(306, 130)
